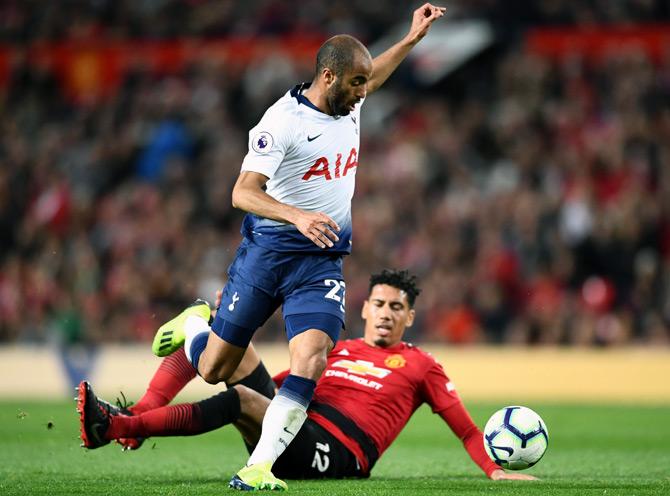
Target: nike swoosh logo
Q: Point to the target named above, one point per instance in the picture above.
(312, 138)
(285, 429)
(94, 430)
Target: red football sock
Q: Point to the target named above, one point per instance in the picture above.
(174, 420)
(172, 375)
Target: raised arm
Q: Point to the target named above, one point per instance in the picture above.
(384, 64)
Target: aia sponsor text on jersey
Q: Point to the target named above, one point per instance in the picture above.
(322, 167)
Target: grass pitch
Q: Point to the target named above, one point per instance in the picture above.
(593, 450)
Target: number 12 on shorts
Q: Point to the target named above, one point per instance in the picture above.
(321, 461)
(337, 291)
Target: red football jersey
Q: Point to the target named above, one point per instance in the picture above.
(379, 389)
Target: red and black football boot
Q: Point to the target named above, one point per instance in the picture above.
(93, 417)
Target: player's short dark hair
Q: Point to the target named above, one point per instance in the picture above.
(400, 279)
(338, 54)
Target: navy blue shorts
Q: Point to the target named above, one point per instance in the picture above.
(309, 288)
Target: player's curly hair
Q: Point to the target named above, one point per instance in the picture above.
(337, 54)
(400, 279)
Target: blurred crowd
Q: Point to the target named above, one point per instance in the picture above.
(40, 20)
(536, 211)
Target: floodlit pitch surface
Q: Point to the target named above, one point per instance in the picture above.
(593, 450)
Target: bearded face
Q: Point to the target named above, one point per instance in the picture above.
(340, 101)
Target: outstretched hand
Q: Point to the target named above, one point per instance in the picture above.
(422, 19)
(502, 475)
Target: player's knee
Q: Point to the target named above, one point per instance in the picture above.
(318, 363)
(309, 351)
(310, 366)
(252, 406)
(245, 394)
(209, 376)
(212, 374)
(242, 391)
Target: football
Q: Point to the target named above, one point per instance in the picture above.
(515, 437)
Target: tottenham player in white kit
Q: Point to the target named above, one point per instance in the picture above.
(296, 185)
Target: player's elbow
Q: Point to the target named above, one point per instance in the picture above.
(242, 196)
(236, 197)
(246, 190)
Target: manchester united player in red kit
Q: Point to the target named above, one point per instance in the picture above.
(368, 392)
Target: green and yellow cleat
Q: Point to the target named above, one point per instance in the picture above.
(170, 336)
(257, 477)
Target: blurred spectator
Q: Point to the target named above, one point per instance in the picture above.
(537, 211)
(32, 20)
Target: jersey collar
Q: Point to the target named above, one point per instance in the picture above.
(296, 92)
(396, 347)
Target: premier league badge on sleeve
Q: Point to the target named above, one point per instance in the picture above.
(262, 142)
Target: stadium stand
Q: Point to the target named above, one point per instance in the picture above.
(530, 191)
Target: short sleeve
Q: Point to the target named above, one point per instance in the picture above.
(269, 141)
(437, 389)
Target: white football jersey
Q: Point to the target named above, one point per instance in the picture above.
(310, 159)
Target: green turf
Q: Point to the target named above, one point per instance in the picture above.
(611, 450)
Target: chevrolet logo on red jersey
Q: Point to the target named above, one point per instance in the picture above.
(361, 367)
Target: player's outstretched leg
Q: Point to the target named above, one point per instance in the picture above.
(170, 336)
(257, 477)
(93, 417)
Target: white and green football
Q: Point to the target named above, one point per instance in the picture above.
(515, 437)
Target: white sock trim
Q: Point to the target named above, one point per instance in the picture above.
(193, 326)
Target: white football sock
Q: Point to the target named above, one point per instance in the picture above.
(283, 419)
(193, 326)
